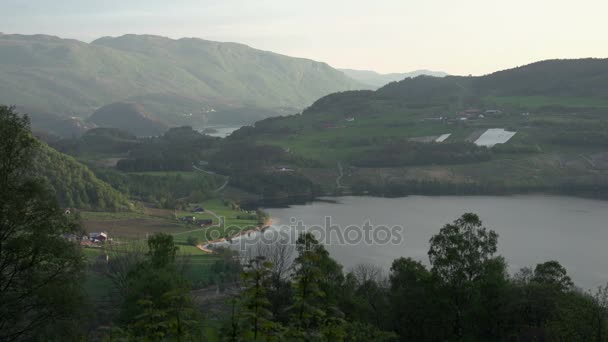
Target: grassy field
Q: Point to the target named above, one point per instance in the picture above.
(554, 142)
(229, 225)
(130, 227)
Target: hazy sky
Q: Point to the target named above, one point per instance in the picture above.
(456, 36)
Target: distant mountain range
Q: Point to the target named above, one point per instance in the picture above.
(377, 80)
(184, 81)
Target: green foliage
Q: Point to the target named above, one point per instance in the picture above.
(177, 150)
(256, 315)
(317, 280)
(362, 332)
(551, 273)
(158, 305)
(466, 295)
(417, 304)
(192, 241)
(162, 249)
(165, 189)
(74, 184)
(97, 141)
(40, 271)
(261, 216)
(460, 251)
(411, 153)
(226, 270)
(275, 187)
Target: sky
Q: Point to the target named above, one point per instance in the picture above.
(462, 37)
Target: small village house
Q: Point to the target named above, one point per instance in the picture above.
(98, 237)
(206, 222)
(188, 219)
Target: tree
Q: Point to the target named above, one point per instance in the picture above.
(459, 256)
(308, 294)
(317, 282)
(490, 299)
(417, 306)
(280, 255)
(573, 318)
(362, 332)
(162, 250)
(367, 297)
(123, 259)
(158, 305)
(192, 241)
(458, 253)
(600, 299)
(552, 273)
(40, 272)
(256, 305)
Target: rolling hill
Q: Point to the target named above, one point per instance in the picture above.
(429, 135)
(130, 117)
(74, 185)
(178, 81)
(377, 80)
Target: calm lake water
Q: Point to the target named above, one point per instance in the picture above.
(531, 229)
(221, 131)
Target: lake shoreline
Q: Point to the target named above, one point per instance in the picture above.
(329, 197)
(206, 247)
(531, 228)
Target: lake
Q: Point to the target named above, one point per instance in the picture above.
(222, 131)
(532, 229)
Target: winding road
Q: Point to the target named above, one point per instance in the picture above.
(215, 174)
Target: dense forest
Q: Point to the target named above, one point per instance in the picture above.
(74, 184)
(176, 150)
(163, 190)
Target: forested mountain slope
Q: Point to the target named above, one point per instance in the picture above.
(172, 79)
(74, 184)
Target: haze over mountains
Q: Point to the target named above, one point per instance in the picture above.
(184, 81)
(377, 80)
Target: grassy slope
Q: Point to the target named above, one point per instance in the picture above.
(402, 111)
(74, 184)
(134, 226)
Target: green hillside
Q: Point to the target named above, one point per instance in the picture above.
(383, 141)
(74, 184)
(177, 81)
(130, 117)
